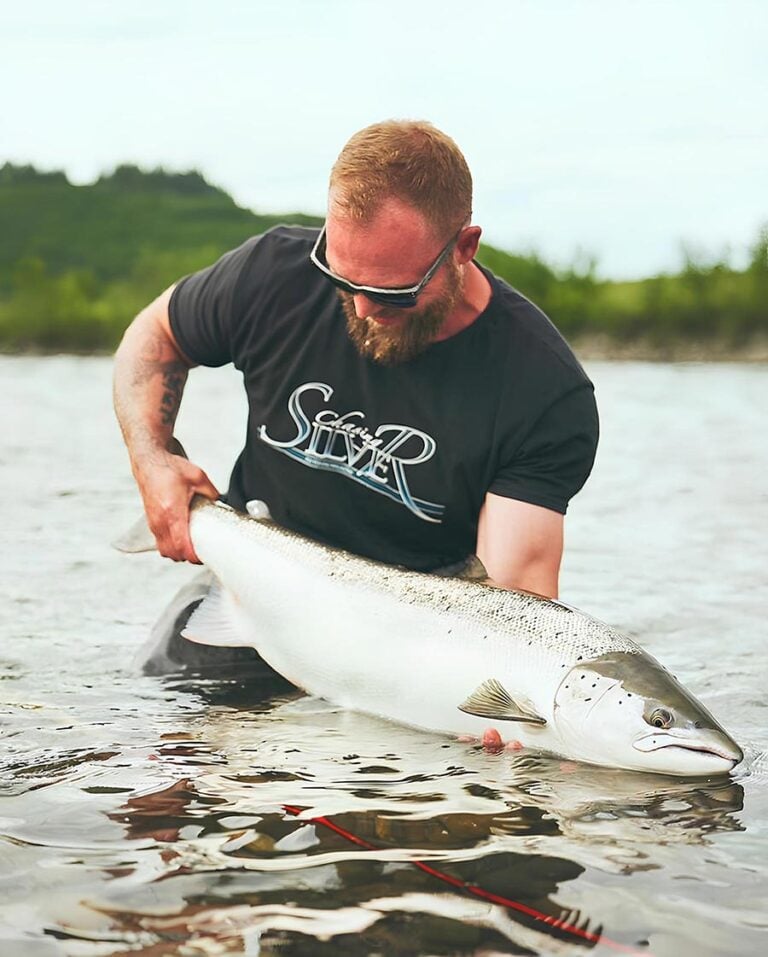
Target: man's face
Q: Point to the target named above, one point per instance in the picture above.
(389, 336)
(395, 249)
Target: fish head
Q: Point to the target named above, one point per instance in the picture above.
(626, 710)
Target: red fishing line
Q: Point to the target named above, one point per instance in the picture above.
(478, 891)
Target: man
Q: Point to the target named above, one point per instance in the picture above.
(405, 404)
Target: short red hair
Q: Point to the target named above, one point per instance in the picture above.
(410, 160)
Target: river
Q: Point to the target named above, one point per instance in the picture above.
(153, 815)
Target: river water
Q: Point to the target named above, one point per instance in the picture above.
(162, 816)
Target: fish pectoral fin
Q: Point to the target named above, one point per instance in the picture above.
(492, 700)
(213, 621)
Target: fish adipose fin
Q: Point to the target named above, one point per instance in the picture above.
(213, 621)
(492, 700)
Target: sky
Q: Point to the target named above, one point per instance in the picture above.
(619, 129)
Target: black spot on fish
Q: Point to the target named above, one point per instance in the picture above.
(587, 699)
(580, 656)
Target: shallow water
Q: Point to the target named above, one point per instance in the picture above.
(179, 817)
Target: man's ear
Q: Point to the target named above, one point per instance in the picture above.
(467, 244)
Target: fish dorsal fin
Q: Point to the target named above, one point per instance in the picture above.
(468, 569)
(473, 570)
(492, 700)
(213, 621)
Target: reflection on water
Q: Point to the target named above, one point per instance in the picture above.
(208, 850)
(486, 821)
(195, 817)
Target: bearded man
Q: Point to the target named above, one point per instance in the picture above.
(404, 403)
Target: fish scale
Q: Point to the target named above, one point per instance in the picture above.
(555, 626)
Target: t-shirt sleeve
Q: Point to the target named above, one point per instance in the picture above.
(206, 307)
(556, 457)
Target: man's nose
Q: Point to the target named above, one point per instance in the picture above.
(364, 306)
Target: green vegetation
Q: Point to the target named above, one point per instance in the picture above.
(78, 262)
(708, 302)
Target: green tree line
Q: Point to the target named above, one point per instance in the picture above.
(78, 262)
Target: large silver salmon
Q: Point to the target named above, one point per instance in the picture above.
(446, 654)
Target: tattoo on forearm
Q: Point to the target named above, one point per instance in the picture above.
(174, 377)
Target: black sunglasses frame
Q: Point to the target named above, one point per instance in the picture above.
(400, 298)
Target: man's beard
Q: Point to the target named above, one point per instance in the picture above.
(410, 337)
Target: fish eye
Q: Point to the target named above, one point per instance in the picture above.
(660, 718)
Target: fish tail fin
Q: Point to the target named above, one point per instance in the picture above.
(138, 538)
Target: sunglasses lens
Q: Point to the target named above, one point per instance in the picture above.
(395, 301)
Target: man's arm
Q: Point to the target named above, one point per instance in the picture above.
(149, 377)
(520, 545)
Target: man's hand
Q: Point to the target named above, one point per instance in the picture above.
(492, 742)
(167, 484)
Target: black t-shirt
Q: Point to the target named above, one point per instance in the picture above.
(391, 462)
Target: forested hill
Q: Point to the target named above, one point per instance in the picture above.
(78, 262)
(120, 223)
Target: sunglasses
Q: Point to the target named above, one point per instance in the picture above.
(400, 298)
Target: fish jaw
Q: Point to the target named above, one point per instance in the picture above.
(691, 752)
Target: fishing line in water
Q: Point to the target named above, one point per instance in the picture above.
(475, 891)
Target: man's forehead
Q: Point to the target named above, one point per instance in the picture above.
(390, 215)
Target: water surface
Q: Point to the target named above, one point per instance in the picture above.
(180, 817)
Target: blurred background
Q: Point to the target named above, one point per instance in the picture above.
(618, 149)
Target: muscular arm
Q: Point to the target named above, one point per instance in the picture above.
(149, 377)
(521, 545)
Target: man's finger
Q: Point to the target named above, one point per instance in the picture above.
(492, 741)
(206, 487)
(183, 547)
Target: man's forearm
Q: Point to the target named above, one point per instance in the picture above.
(149, 379)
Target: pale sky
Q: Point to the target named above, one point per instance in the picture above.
(618, 127)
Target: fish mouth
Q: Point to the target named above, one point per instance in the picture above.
(726, 750)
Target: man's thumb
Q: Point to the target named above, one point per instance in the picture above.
(204, 486)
